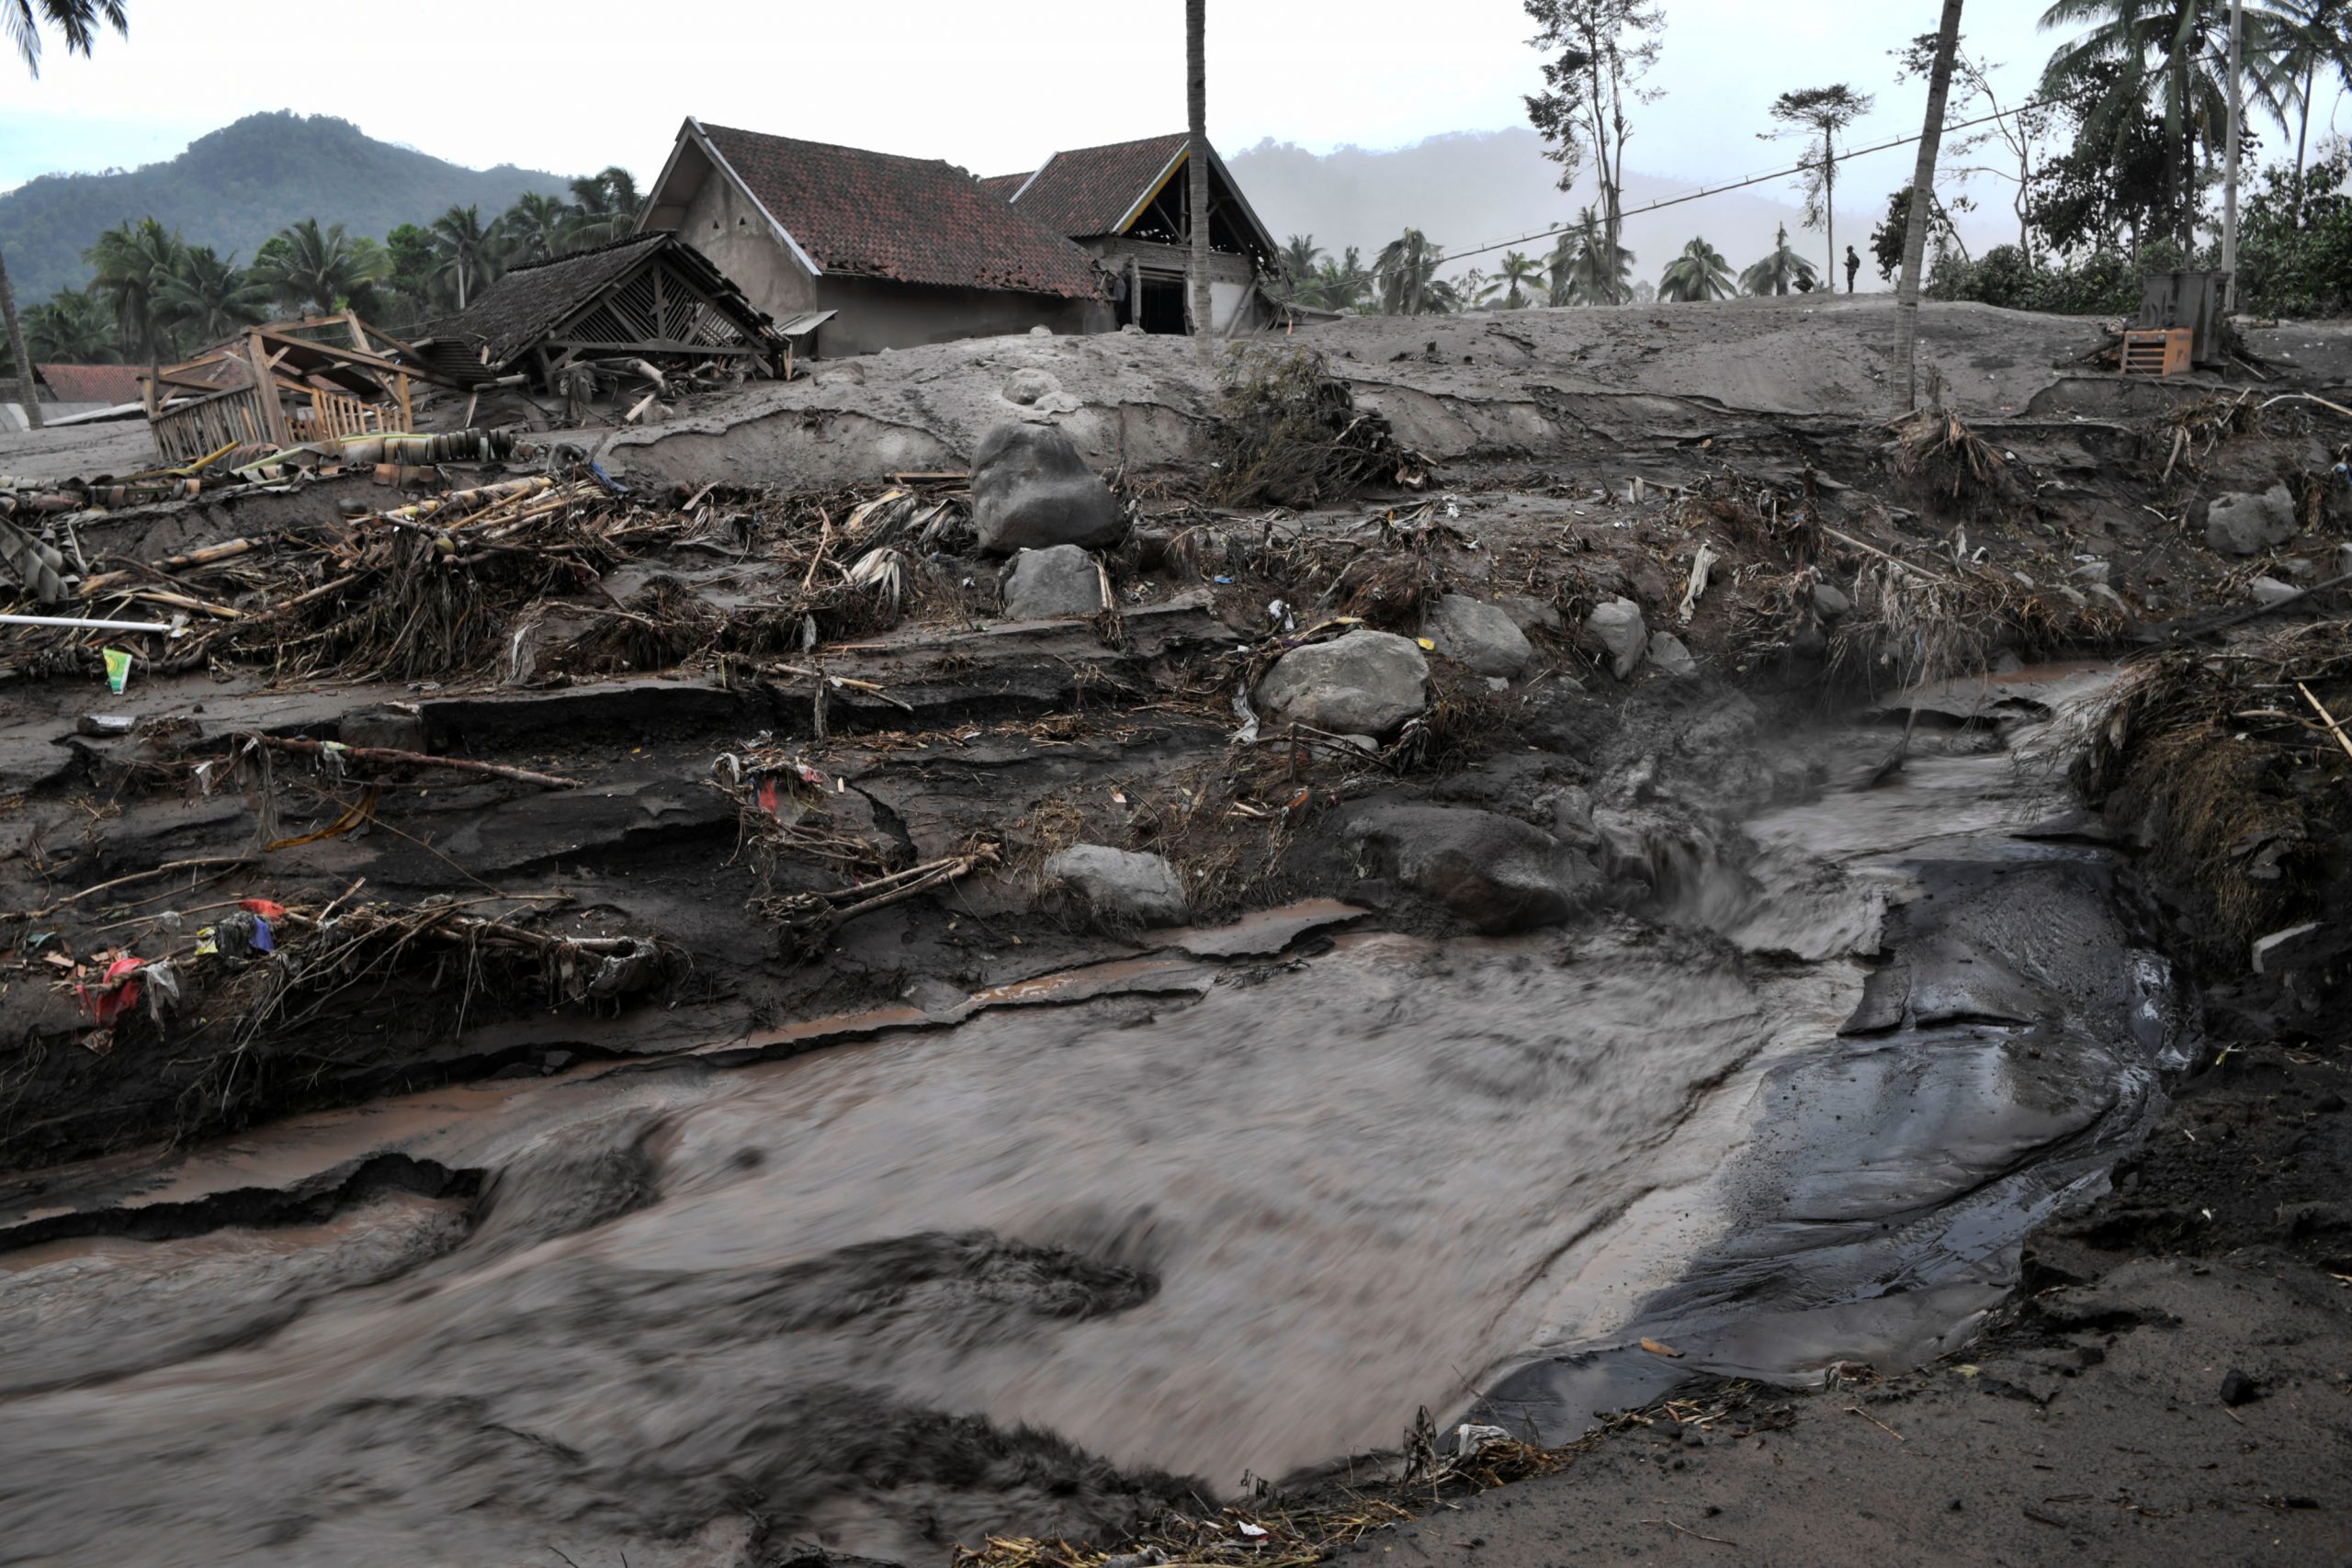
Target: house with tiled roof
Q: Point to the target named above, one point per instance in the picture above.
(889, 251)
(1126, 204)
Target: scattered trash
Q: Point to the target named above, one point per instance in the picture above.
(117, 668)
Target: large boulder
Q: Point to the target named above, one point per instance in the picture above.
(1042, 585)
(2247, 525)
(1032, 491)
(1670, 657)
(1480, 634)
(1494, 871)
(1367, 682)
(1120, 886)
(1622, 631)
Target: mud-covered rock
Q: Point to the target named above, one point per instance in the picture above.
(2247, 525)
(1032, 491)
(1529, 613)
(1494, 871)
(1621, 629)
(398, 729)
(1830, 601)
(2270, 591)
(1042, 585)
(1367, 682)
(1671, 657)
(1120, 885)
(1480, 634)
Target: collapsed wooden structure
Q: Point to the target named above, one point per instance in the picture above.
(649, 297)
(281, 384)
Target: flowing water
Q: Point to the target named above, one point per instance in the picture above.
(1220, 1218)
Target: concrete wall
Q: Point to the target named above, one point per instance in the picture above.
(1232, 306)
(730, 229)
(876, 314)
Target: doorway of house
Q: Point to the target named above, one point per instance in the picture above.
(1162, 307)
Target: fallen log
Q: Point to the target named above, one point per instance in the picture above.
(413, 759)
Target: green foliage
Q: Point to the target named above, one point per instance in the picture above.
(75, 327)
(1585, 269)
(77, 21)
(1698, 272)
(306, 270)
(1408, 282)
(1778, 271)
(1886, 237)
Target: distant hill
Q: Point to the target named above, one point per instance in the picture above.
(1472, 189)
(235, 188)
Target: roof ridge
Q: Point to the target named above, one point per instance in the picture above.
(638, 238)
(834, 146)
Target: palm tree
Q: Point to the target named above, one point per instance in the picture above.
(1777, 272)
(2169, 58)
(1474, 288)
(313, 271)
(1341, 284)
(1196, 162)
(606, 207)
(77, 19)
(2320, 45)
(134, 261)
(468, 248)
(1698, 272)
(73, 328)
(1300, 253)
(1519, 270)
(210, 297)
(540, 227)
(1409, 283)
(1583, 270)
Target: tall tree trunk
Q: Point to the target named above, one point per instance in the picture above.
(2229, 169)
(1196, 160)
(17, 346)
(1923, 185)
(1830, 206)
(2177, 183)
(2302, 129)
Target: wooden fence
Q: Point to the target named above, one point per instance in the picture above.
(200, 428)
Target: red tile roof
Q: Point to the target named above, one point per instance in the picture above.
(108, 384)
(913, 219)
(1087, 191)
(1003, 187)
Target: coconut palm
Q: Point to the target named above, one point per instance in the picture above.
(1300, 253)
(470, 248)
(1474, 288)
(1409, 283)
(1520, 275)
(607, 206)
(538, 226)
(209, 299)
(2169, 59)
(2318, 49)
(1698, 272)
(78, 20)
(1584, 271)
(73, 328)
(1342, 285)
(1779, 271)
(311, 271)
(134, 261)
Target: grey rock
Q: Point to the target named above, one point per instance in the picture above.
(1830, 603)
(1480, 634)
(1030, 491)
(1494, 871)
(1028, 387)
(1571, 809)
(1120, 885)
(1529, 613)
(2108, 597)
(2270, 591)
(2296, 947)
(386, 727)
(2343, 561)
(1671, 657)
(1622, 631)
(1042, 585)
(1367, 682)
(1041, 330)
(2092, 571)
(2246, 524)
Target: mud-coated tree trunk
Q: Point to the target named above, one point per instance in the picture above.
(1197, 160)
(17, 347)
(1923, 185)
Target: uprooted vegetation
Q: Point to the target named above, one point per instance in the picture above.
(1285, 432)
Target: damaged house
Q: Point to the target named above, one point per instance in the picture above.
(644, 309)
(281, 384)
(890, 252)
(1127, 205)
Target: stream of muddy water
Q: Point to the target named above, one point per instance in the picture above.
(1229, 1217)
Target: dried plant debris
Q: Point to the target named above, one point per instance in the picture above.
(1286, 431)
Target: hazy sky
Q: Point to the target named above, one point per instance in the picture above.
(577, 85)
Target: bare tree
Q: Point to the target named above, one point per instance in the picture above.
(2019, 129)
(1598, 50)
(1197, 160)
(1923, 185)
(1822, 112)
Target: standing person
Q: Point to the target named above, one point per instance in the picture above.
(1853, 265)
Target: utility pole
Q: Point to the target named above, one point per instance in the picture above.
(2230, 176)
(1923, 198)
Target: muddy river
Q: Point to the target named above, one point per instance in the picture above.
(1231, 1217)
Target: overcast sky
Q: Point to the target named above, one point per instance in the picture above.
(575, 85)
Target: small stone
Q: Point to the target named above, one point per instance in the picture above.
(2108, 597)
(1480, 634)
(2239, 1389)
(2247, 525)
(1621, 629)
(2296, 947)
(1043, 585)
(1665, 651)
(1497, 683)
(2270, 591)
(1120, 885)
(2092, 571)
(1367, 682)
(1830, 603)
(1041, 330)
(388, 727)
(1027, 387)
